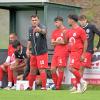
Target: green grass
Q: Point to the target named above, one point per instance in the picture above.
(49, 95)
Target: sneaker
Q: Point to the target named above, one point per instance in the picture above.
(43, 88)
(84, 86)
(29, 89)
(73, 89)
(77, 91)
(7, 88)
(13, 88)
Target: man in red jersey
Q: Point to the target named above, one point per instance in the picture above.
(76, 37)
(6, 66)
(91, 30)
(60, 56)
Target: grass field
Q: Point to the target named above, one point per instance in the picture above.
(91, 94)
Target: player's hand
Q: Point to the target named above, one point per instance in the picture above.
(6, 64)
(3, 68)
(82, 57)
(95, 49)
(37, 29)
(64, 32)
(60, 40)
(13, 67)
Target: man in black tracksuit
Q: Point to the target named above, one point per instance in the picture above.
(91, 30)
(39, 57)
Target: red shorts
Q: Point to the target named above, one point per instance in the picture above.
(59, 61)
(40, 61)
(87, 61)
(75, 59)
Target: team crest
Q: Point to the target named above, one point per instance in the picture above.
(74, 34)
(87, 30)
(37, 34)
(61, 34)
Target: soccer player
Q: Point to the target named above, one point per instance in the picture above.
(77, 43)
(59, 58)
(91, 30)
(39, 58)
(19, 62)
(6, 66)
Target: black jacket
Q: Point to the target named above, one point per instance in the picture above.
(38, 40)
(91, 30)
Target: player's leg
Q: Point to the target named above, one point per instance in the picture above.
(32, 74)
(74, 84)
(10, 77)
(60, 78)
(75, 66)
(85, 64)
(43, 76)
(27, 69)
(77, 76)
(19, 69)
(1, 76)
(3, 68)
(54, 69)
(61, 65)
(42, 61)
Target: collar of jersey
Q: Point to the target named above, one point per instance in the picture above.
(85, 25)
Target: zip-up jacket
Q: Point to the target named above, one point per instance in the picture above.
(38, 40)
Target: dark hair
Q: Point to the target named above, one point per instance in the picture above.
(82, 17)
(34, 16)
(58, 18)
(73, 17)
(16, 44)
(13, 34)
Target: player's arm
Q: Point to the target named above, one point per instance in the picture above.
(64, 36)
(60, 41)
(22, 64)
(53, 42)
(57, 42)
(28, 48)
(41, 30)
(7, 62)
(95, 30)
(98, 45)
(85, 43)
(85, 46)
(14, 64)
(84, 49)
(29, 44)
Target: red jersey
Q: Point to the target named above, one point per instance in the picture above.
(10, 50)
(76, 38)
(59, 49)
